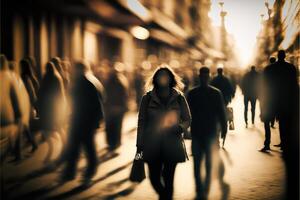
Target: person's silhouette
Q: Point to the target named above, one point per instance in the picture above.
(51, 106)
(163, 116)
(223, 83)
(267, 120)
(249, 86)
(273, 60)
(87, 113)
(116, 106)
(282, 102)
(208, 110)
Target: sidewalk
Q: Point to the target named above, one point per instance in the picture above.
(250, 174)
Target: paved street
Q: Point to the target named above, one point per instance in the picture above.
(250, 174)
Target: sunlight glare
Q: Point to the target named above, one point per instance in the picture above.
(243, 22)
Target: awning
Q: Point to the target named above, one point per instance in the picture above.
(167, 38)
(168, 24)
(154, 16)
(215, 54)
(115, 13)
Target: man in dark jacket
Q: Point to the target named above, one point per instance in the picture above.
(87, 112)
(208, 110)
(266, 119)
(223, 83)
(249, 89)
(116, 106)
(282, 101)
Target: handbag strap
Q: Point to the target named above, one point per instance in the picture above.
(179, 99)
(184, 148)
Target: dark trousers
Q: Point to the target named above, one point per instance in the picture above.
(253, 104)
(289, 134)
(267, 134)
(30, 138)
(162, 171)
(205, 151)
(81, 138)
(113, 126)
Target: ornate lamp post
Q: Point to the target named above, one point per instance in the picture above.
(223, 29)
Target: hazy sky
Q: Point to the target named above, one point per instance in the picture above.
(243, 21)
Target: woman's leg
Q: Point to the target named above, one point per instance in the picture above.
(168, 175)
(47, 138)
(109, 130)
(246, 110)
(155, 171)
(118, 137)
(30, 138)
(63, 136)
(50, 150)
(253, 105)
(15, 142)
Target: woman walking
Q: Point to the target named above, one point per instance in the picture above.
(28, 79)
(163, 117)
(51, 106)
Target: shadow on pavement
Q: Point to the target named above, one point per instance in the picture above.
(50, 168)
(76, 190)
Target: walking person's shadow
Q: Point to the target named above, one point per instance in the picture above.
(224, 186)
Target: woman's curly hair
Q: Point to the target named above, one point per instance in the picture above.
(175, 80)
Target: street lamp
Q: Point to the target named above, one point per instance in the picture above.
(223, 30)
(139, 32)
(268, 9)
(222, 13)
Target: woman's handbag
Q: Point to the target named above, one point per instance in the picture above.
(137, 173)
(230, 118)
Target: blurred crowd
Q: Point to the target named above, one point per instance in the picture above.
(70, 101)
(49, 107)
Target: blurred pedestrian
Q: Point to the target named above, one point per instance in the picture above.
(27, 77)
(66, 67)
(223, 83)
(12, 119)
(186, 81)
(282, 101)
(51, 107)
(273, 60)
(36, 78)
(24, 99)
(163, 117)
(249, 86)
(59, 67)
(234, 82)
(87, 113)
(138, 86)
(268, 120)
(116, 105)
(208, 111)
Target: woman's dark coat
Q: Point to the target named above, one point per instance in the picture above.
(51, 103)
(160, 127)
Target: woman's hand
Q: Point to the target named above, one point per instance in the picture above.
(175, 129)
